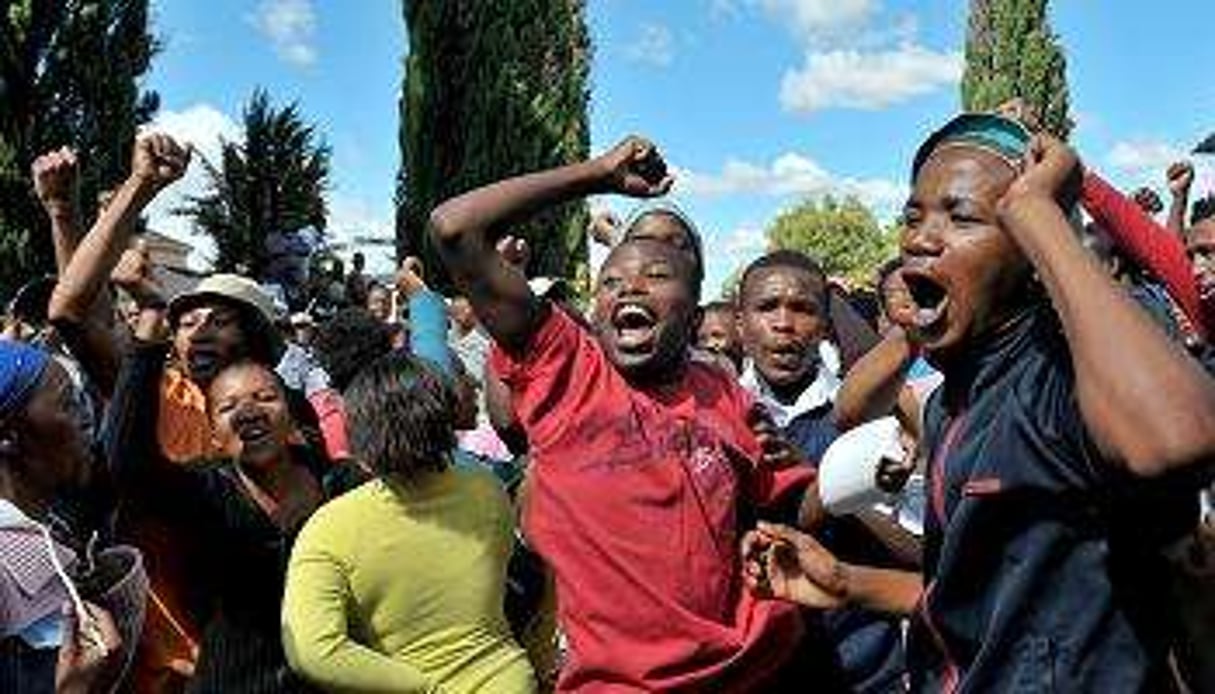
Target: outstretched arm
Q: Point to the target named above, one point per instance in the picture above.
(1148, 406)
(874, 387)
(156, 162)
(464, 230)
(787, 564)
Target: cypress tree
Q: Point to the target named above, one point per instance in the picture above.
(1011, 53)
(491, 90)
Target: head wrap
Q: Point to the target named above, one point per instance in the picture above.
(990, 132)
(21, 367)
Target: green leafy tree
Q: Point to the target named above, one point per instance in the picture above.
(841, 233)
(275, 180)
(69, 75)
(1011, 53)
(491, 90)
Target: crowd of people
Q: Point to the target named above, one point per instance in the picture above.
(991, 472)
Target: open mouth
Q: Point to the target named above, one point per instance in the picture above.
(635, 325)
(203, 361)
(789, 356)
(253, 431)
(930, 297)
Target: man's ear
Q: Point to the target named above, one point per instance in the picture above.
(698, 319)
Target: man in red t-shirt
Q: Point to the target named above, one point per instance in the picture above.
(642, 459)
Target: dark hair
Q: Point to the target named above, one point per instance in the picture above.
(887, 269)
(784, 258)
(719, 307)
(399, 413)
(349, 341)
(1204, 209)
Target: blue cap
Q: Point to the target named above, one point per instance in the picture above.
(999, 135)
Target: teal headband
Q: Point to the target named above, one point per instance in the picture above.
(1001, 136)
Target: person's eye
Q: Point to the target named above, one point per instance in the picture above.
(610, 282)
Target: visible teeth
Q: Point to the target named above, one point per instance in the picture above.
(631, 311)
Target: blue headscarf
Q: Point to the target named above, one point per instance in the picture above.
(21, 367)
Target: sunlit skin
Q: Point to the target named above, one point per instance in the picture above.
(645, 307)
(207, 339)
(663, 227)
(952, 243)
(782, 319)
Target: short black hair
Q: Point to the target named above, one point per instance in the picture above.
(887, 269)
(350, 340)
(783, 258)
(400, 414)
(1204, 209)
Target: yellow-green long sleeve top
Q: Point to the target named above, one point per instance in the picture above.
(399, 588)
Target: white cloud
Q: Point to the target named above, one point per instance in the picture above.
(201, 126)
(1144, 155)
(819, 19)
(655, 46)
(1143, 162)
(789, 175)
(290, 25)
(357, 224)
(871, 81)
(744, 241)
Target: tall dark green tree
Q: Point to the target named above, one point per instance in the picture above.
(494, 89)
(274, 181)
(69, 75)
(1011, 53)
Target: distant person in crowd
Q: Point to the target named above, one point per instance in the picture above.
(298, 366)
(1049, 443)
(718, 333)
(386, 615)
(379, 302)
(357, 282)
(628, 436)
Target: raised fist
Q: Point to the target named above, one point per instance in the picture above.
(158, 160)
(636, 168)
(55, 178)
(1180, 176)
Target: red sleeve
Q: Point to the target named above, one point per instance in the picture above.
(550, 381)
(1150, 245)
(331, 414)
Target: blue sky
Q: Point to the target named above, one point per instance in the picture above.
(756, 103)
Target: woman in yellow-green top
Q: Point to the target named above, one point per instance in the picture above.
(398, 585)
